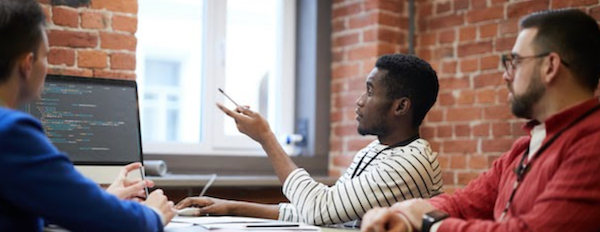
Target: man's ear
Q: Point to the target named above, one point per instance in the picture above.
(25, 65)
(550, 70)
(402, 106)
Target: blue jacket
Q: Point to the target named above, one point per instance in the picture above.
(38, 182)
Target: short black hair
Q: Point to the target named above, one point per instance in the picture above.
(411, 77)
(572, 34)
(21, 25)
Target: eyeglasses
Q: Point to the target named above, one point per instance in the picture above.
(511, 61)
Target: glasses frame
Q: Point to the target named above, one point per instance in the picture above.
(509, 61)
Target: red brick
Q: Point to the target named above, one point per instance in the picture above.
(447, 36)
(460, 146)
(425, 10)
(475, 48)
(456, 114)
(446, 21)
(441, 53)
(488, 30)
(488, 79)
(356, 144)
(93, 20)
(362, 52)
(65, 16)
(517, 128)
(58, 56)
(390, 36)
(448, 67)
(458, 162)
(74, 39)
(447, 178)
(70, 72)
(124, 23)
(496, 145)
(343, 130)
(478, 4)
(389, 19)
(424, 53)
(454, 83)
(469, 65)
(338, 25)
(486, 95)
(387, 5)
(502, 95)
(498, 1)
(478, 162)
(465, 178)
(126, 75)
(117, 41)
(122, 61)
(362, 20)
(427, 39)
(504, 45)
(490, 62)
(345, 40)
(351, 9)
(466, 97)
(558, 4)
(345, 70)
(492, 13)
(427, 132)
(462, 130)
(501, 112)
(442, 7)
(92, 59)
(509, 26)
(337, 56)
(461, 5)
(482, 129)
(127, 6)
(501, 128)
(334, 173)
(444, 131)
(435, 115)
(344, 100)
(446, 99)
(516, 10)
(467, 33)
(343, 160)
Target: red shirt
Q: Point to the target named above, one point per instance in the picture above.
(561, 191)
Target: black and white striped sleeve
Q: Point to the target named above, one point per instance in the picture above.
(394, 178)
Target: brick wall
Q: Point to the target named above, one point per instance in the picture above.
(471, 123)
(92, 38)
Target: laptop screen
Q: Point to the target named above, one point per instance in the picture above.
(94, 121)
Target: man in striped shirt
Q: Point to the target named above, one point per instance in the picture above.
(548, 180)
(399, 165)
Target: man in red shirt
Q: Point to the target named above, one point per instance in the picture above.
(549, 180)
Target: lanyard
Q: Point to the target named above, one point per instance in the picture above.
(522, 169)
(401, 143)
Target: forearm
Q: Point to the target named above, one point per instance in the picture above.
(281, 161)
(256, 210)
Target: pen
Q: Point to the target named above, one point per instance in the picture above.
(209, 183)
(227, 96)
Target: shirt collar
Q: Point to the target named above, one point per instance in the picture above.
(563, 118)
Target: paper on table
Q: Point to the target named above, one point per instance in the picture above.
(241, 223)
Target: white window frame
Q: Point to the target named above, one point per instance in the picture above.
(213, 139)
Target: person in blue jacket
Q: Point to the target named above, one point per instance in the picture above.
(39, 183)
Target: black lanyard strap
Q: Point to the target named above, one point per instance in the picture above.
(401, 143)
(523, 168)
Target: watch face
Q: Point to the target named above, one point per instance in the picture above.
(437, 215)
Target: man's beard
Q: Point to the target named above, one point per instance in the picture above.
(522, 105)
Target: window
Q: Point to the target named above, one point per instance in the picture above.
(189, 48)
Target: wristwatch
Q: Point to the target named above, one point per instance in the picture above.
(431, 218)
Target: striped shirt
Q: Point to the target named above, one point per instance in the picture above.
(396, 174)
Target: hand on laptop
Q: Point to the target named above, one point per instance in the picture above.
(127, 189)
(208, 205)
